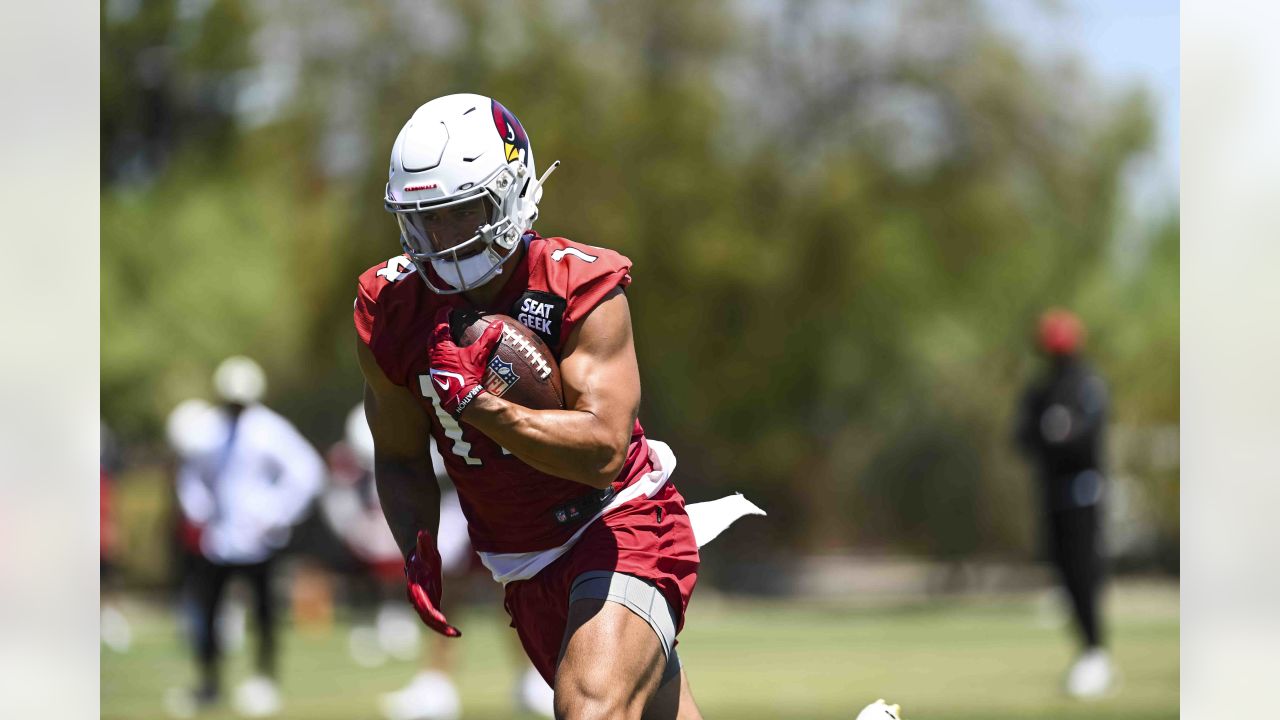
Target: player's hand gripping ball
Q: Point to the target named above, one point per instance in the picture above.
(520, 368)
(457, 370)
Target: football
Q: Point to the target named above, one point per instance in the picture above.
(522, 369)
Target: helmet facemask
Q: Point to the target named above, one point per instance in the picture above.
(439, 235)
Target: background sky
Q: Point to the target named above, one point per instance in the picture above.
(1134, 42)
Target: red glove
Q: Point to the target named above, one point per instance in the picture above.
(422, 575)
(457, 371)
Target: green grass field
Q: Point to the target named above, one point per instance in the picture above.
(957, 660)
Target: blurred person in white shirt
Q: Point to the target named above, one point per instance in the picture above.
(247, 477)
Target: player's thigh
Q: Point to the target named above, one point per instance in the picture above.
(673, 701)
(610, 658)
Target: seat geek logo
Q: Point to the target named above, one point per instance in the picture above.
(541, 312)
(536, 315)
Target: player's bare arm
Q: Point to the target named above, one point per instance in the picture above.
(406, 481)
(586, 442)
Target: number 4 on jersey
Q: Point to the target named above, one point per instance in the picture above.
(397, 267)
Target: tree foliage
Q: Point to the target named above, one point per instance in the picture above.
(844, 220)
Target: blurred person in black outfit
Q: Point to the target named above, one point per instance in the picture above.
(1061, 423)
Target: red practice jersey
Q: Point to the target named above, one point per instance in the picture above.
(510, 506)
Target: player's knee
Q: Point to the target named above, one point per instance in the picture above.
(588, 695)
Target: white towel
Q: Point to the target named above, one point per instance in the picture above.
(712, 517)
(709, 519)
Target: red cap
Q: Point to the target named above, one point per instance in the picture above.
(1061, 332)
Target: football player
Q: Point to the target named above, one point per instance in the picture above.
(571, 509)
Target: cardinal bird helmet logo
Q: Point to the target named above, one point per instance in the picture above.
(512, 133)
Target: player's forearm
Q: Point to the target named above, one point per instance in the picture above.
(570, 444)
(410, 498)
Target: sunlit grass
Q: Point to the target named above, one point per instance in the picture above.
(746, 660)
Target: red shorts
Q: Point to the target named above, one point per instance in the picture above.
(650, 538)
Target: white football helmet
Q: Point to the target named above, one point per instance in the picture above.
(463, 189)
(239, 379)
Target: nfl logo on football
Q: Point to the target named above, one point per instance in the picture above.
(501, 376)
